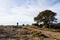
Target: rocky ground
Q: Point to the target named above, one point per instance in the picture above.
(27, 33)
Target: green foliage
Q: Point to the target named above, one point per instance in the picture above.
(46, 16)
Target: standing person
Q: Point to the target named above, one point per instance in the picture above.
(17, 24)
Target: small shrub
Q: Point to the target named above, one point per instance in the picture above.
(23, 25)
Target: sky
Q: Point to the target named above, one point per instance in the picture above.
(24, 11)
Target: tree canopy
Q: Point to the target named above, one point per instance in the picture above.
(46, 16)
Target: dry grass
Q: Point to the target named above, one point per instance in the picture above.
(29, 32)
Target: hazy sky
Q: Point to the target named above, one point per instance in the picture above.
(23, 11)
